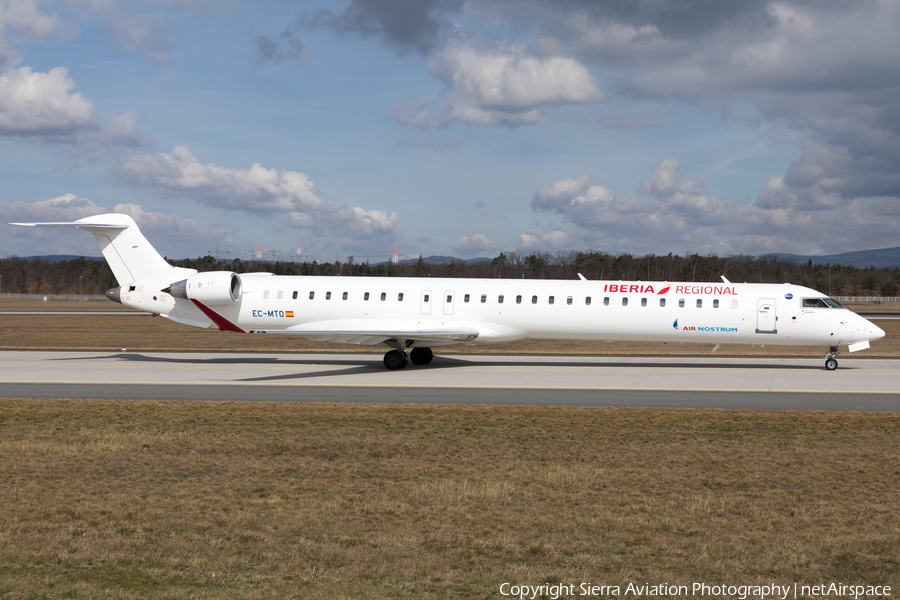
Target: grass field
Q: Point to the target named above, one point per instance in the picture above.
(240, 500)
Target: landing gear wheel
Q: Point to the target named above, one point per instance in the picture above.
(421, 356)
(831, 358)
(395, 360)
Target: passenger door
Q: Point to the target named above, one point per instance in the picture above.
(766, 319)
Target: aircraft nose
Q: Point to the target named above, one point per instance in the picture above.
(877, 333)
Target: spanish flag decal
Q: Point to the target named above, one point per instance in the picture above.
(289, 313)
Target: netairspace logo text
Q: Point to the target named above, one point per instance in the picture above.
(555, 591)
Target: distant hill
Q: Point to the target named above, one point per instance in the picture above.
(884, 258)
(444, 260)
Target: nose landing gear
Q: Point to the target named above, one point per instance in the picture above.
(831, 362)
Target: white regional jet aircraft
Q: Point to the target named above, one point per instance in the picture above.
(418, 314)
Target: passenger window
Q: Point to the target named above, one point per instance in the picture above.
(280, 294)
(699, 303)
(518, 299)
(383, 296)
(624, 301)
(662, 301)
(466, 298)
(643, 302)
(400, 297)
(500, 299)
(483, 298)
(606, 301)
(587, 301)
(266, 295)
(569, 300)
(716, 303)
(344, 296)
(366, 296)
(449, 298)
(294, 296)
(734, 304)
(312, 295)
(551, 299)
(534, 299)
(681, 303)
(427, 297)
(328, 295)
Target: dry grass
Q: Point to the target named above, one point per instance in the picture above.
(112, 332)
(240, 500)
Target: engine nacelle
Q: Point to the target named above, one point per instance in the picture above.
(213, 287)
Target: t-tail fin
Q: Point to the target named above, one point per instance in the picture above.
(129, 254)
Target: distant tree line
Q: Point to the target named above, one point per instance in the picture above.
(90, 276)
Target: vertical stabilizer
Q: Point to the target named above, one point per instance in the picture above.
(129, 254)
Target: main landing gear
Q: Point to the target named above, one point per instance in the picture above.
(831, 362)
(397, 359)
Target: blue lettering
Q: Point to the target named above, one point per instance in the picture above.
(271, 313)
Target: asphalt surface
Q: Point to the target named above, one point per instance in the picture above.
(865, 384)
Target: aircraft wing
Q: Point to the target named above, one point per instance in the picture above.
(377, 331)
(366, 332)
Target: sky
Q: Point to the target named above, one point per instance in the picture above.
(453, 127)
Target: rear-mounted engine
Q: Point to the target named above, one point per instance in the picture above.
(214, 287)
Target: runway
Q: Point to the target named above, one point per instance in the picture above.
(866, 384)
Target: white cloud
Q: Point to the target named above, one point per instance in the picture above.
(43, 108)
(175, 236)
(67, 207)
(671, 213)
(540, 240)
(500, 86)
(23, 20)
(289, 194)
(477, 243)
(35, 103)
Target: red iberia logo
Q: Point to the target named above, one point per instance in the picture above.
(289, 313)
(664, 290)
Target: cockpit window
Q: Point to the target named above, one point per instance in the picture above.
(820, 303)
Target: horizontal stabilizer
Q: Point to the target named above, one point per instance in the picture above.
(77, 224)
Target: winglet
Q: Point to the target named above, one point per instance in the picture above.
(725, 280)
(221, 322)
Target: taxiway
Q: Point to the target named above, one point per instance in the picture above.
(868, 384)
